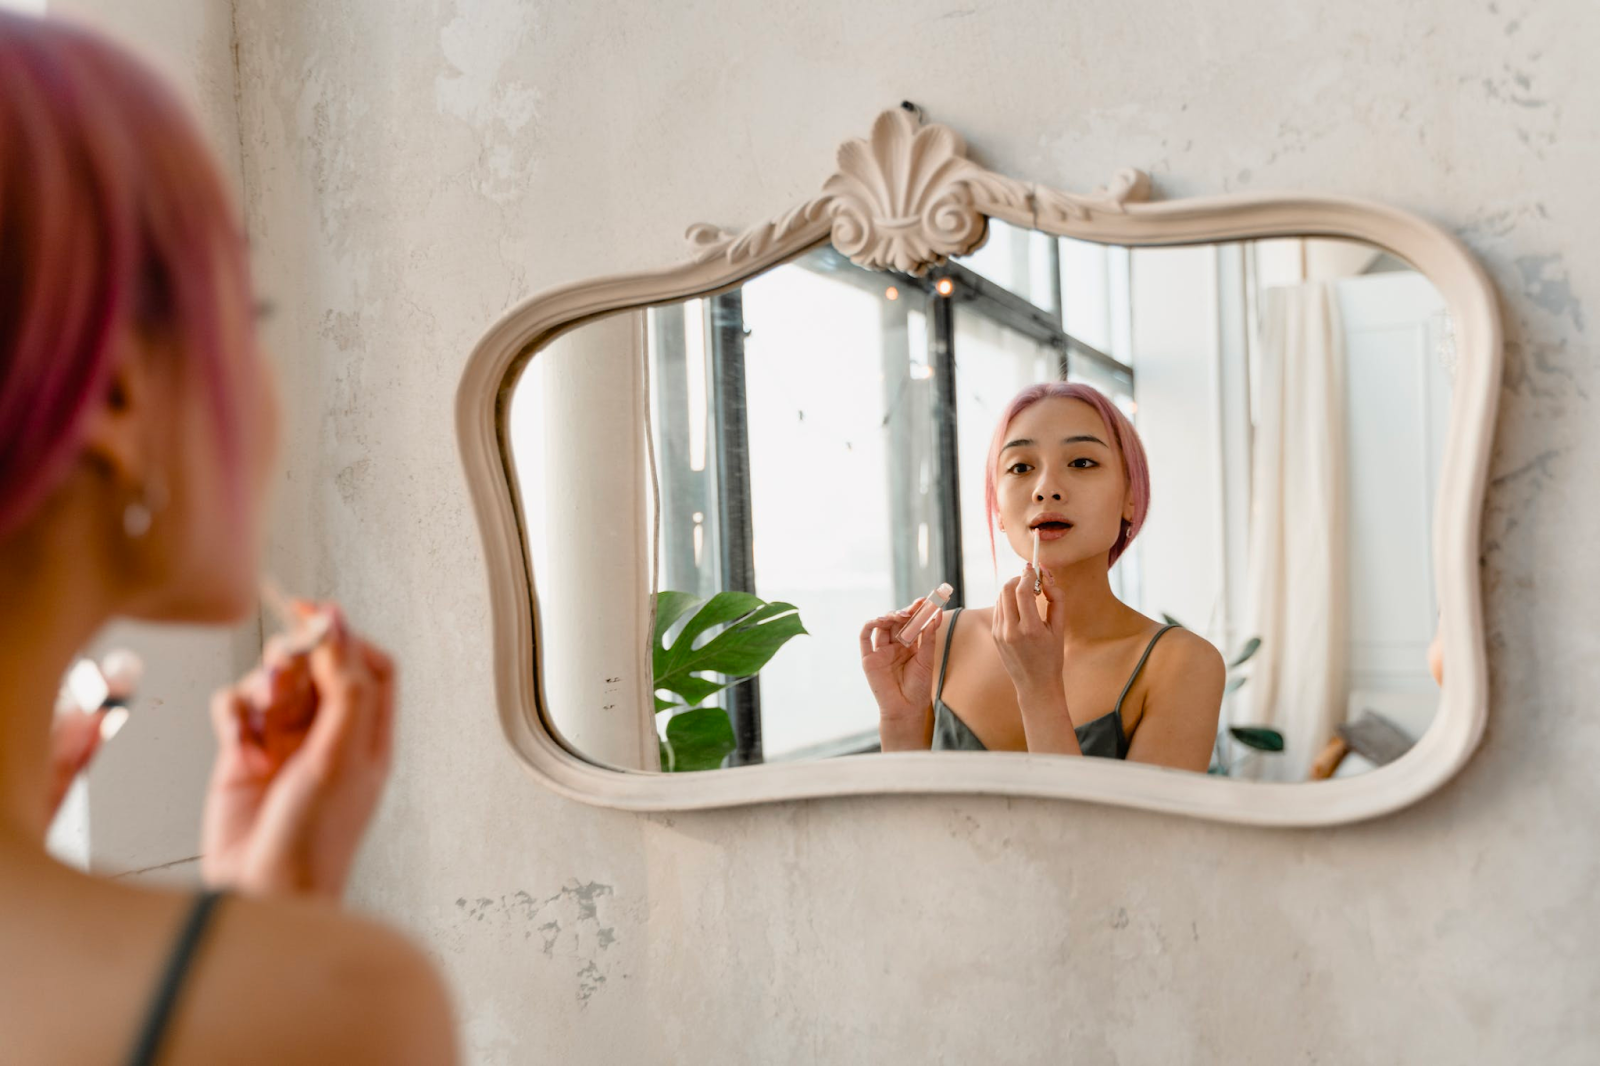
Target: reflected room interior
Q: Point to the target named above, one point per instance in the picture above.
(815, 439)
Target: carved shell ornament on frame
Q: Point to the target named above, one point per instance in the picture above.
(908, 199)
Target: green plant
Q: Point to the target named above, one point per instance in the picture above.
(733, 634)
(1259, 738)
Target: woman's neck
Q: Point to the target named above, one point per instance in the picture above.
(48, 615)
(1093, 611)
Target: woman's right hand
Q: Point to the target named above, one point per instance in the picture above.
(304, 746)
(901, 677)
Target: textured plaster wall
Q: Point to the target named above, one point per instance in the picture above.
(413, 168)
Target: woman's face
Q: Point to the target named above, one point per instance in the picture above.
(1060, 470)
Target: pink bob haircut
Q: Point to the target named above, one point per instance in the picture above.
(1136, 468)
(113, 219)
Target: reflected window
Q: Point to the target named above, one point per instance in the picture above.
(812, 390)
(1023, 262)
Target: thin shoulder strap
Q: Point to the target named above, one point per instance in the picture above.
(949, 635)
(1133, 676)
(159, 1015)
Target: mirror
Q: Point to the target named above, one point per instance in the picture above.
(759, 450)
(817, 438)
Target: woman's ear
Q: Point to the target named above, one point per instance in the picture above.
(116, 430)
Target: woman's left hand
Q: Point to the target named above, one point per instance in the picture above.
(1030, 646)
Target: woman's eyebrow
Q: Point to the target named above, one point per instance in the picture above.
(1023, 442)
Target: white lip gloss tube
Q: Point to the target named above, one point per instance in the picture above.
(932, 604)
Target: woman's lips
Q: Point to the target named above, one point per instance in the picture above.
(1053, 532)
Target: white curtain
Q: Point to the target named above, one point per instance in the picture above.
(1297, 581)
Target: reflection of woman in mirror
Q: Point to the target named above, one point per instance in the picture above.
(1070, 670)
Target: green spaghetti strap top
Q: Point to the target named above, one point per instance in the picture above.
(1102, 737)
(158, 1017)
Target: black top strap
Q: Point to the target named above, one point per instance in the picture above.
(159, 1015)
(1131, 677)
(944, 663)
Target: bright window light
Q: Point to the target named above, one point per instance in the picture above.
(694, 322)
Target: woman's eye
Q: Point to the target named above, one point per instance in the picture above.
(1087, 461)
(1018, 468)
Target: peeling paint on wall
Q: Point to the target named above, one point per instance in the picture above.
(567, 926)
(1546, 285)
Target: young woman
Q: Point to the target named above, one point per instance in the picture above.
(1070, 670)
(137, 436)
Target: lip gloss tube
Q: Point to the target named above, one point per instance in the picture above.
(1038, 578)
(932, 604)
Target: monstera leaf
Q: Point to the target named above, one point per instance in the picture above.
(749, 633)
(734, 634)
(697, 740)
(1257, 737)
(1251, 646)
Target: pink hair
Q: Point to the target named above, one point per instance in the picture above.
(1136, 469)
(112, 219)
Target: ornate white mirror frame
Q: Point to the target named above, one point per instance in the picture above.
(907, 199)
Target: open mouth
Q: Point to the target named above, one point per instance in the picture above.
(1050, 527)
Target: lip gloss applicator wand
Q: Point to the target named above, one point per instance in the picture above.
(281, 688)
(302, 631)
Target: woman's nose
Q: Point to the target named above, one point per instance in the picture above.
(1040, 497)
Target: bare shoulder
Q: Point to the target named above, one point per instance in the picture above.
(1178, 724)
(1188, 658)
(293, 981)
(270, 981)
(977, 620)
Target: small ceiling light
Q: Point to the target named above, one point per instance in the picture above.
(945, 286)
(892, 293)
